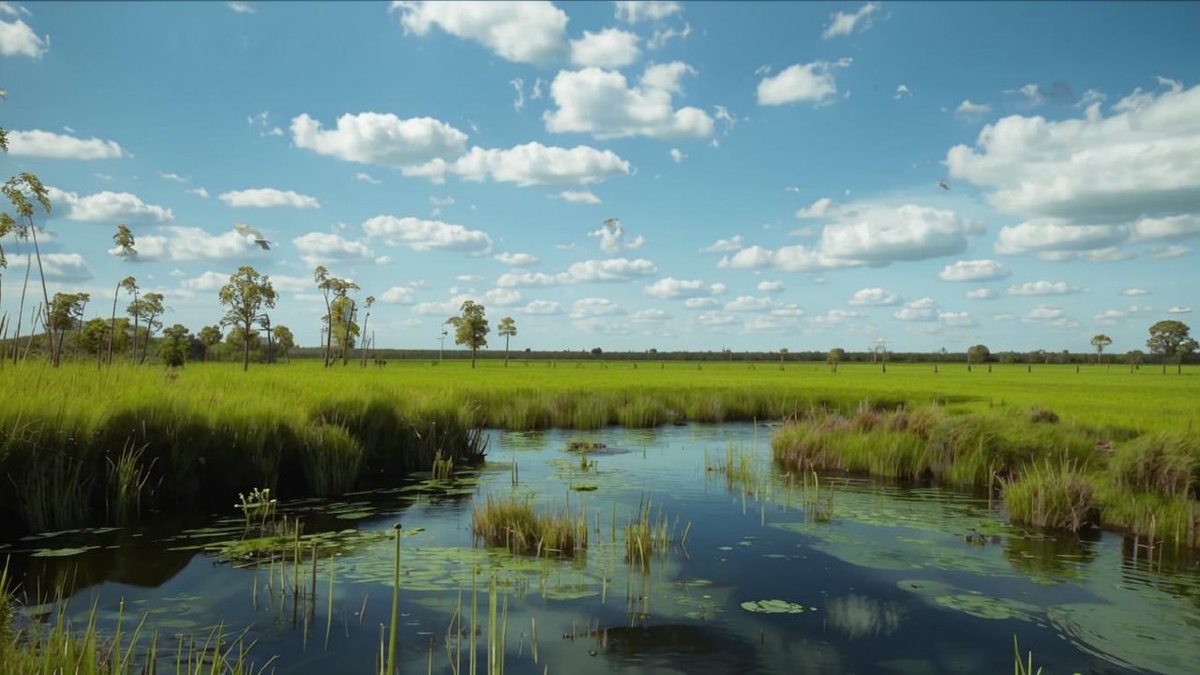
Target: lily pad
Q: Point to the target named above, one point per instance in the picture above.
(773, 607)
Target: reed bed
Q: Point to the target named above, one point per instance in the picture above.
(515, 525)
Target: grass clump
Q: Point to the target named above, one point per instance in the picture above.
(1052, 495)
(649, 533)
(515, 525)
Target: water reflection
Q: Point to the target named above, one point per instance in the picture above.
(858, 616)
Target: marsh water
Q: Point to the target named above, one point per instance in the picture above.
(776, 573)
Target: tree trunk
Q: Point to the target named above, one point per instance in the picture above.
(112, 325)
(505, 351)
(472, 357)
(246, 350)
(21, 310)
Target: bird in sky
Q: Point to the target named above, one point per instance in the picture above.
(251, 232)
(942, 184)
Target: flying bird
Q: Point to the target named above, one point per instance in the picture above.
(942, 184)
(248, 231)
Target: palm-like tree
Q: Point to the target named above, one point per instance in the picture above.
(362, 345)
(18, 191)
(1100, 342)
(506, 330)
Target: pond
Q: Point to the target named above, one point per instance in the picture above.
(763, 573)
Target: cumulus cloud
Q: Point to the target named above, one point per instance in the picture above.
(398, 295)
(1044, 288)
(921, 309)
(874, 296)
(18, 39)
(66, 267)
(969, 109)
(107, 206)
(677, 155)
(982, 294)
(724, 245)
(578, 197)
(264, 198)
(700, 303)
(1179, 310)
(602, 103)
(530, 164)
(813, 82)
(543, 308)
(669, 288)
(845, 23)
(770, 286)
(1092, 182)
(502, 297)
(319, 248)
(426, 235)
(586, 271)
(821, 208)
(612, 237)
(192, 243)
(649, 316)
(1135, 291)
(47, 144)
(1044, 313)
(587, 307)
(517, 259)
(636, 11)
(610, 48)
(380, 139)
(748, 303)
(241, 7)
(363, 177)
(974, 270)
(522, 32)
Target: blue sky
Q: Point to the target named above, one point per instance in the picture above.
(773, 168)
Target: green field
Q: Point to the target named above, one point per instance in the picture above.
(81, 440)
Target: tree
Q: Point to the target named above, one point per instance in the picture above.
(131, 287)
(174, 348)
(835, 356)
(284, 340)
(1100, 342)
(95, 337)
(18, 191)
(1134, 358)
(506, 330)
(65, 310)
(470, 328)
(1172, 340)
(332, 288)
(344, 328)
(245, 295)
(362, 349)
(782, 355)
(977, 354)
(148, 307)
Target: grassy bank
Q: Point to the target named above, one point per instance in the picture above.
(82, 443)
(1050, 473)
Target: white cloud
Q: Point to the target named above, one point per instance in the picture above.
(902, 91)
(318, 248)
(788, 310)
(921, 309)
(522, 32)
(748, 303)
(610, 48)
(1169, 252)
(263, 198)
(982, 294)
(1044, 313)
(366, 178)
(380, 139)
(836, 316)
(173, 177)
(1044, 288)
(67, 267)
(881, 235)
(587, 307)
(1135, 291)
(532, 164)
(670, 287)
(517, 259)
(192, 243)
(578, 197)
(770, 286)
(649, 315)
(844, 23)
(821, 208)
(636, 11)
(398, 295)
(956, 319)
(18, 39)
(700, 303)
(969, 109)
(1093, 181)
(502, 297)
(716, 320)
(523, 278)
(241, 7)
(107, 206)
(1031, 92)
(1109, 317)
(601, 103)
(199, 192)
(796, 258)
(426, 235)
(612, 237)
(612, 269)
(662, 36)
(724, 245)
(677, 155)
(519, 85)
(801, 82)
(1179, 310)
(974, 270)
(874, 296)
(543, 308)
(50, 145)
